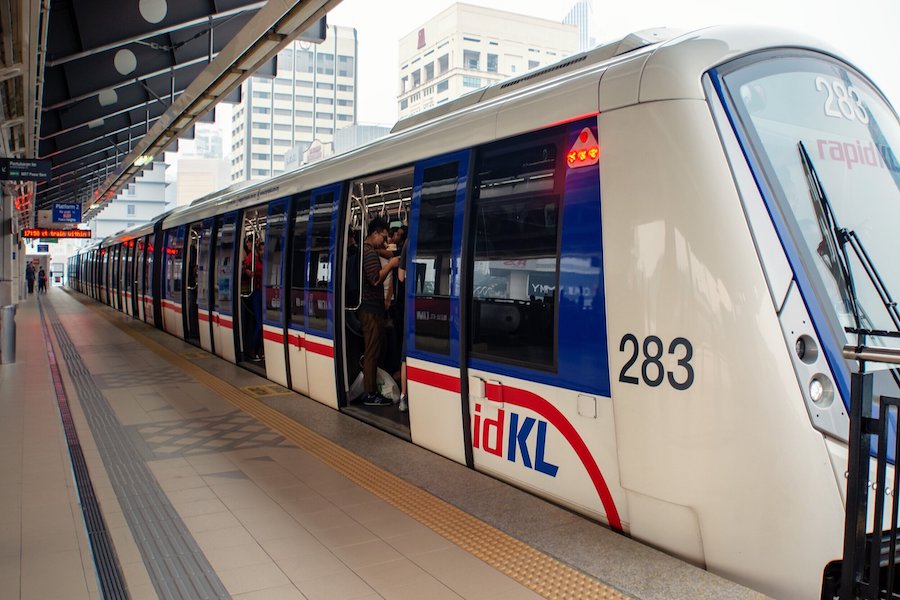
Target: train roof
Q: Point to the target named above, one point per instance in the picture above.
(648, 66)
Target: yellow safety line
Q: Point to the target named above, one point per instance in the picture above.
(532, 568)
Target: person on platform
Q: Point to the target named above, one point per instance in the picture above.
(29, 277)
(42, 281)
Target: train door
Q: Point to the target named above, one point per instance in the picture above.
(437, 416)
(537, 374)
(274, 259)
(124, 276)
(296, 313)
(385, 196)
(127, 279)
(250, 326)
(191, 315)
(104, 273)
(311, 316)
(137, 304)
(118, 266)
(223, 286)
(204, 260)
(173, 258)
(114, 253)
(149, 262)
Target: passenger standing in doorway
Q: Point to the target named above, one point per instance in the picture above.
(42, 281)
(371, 310)
(400, 307)
(29, 277)
(251, 288)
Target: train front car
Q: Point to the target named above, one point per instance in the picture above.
(728, 298)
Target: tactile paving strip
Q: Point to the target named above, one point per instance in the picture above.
(532, 568)
(178, 568)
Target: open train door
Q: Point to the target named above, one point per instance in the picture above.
(437, 415)
(222, 293)
(311, 329)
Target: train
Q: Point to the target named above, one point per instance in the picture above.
(625, 291)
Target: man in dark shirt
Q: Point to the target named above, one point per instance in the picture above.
(371, 309)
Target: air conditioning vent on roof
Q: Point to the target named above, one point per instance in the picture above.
(550, 69)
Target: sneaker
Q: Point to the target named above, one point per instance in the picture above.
(376, 400)
(404, 405)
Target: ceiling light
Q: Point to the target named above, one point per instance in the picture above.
(96, 123)
(125, 62)
(108, 97)
(153, 11)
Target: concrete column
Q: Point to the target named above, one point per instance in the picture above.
(8, 251)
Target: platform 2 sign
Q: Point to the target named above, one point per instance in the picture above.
(43, 232)
(18, 169)
(67, 212)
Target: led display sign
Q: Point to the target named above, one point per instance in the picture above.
(43, 232)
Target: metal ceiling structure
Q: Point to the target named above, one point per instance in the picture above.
(102, 87)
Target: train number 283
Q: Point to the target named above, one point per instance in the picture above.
(653, 372)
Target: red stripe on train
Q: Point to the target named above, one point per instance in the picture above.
(448, 383)
(541, 406)
(273, 336)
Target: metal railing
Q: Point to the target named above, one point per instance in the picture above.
(869, 568)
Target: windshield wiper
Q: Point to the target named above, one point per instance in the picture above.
(835, 237)
(840, 237)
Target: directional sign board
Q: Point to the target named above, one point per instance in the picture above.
(20, 169)
(67, 212)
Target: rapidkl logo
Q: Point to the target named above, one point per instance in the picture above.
(493, 437)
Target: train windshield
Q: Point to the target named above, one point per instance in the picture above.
(801, 103)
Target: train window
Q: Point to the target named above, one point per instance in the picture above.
(173, 260)
(298, 261)
(138, 269)
(203, 264)
(148, 269)
(430, 274)
(516, 261)
(273, 259)
(224, 273)
(319, 270)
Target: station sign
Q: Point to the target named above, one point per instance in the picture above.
(43, 232)
(43, 247)
(67, 212)
(20, 169)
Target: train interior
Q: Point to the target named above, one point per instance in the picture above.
(250, 300)
(192, 316)
(388, 196)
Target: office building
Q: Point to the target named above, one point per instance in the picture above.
(580, 16)
(312, 95)
(467, 47)
(139, 202)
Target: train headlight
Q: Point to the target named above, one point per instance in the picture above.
(806, 349)
(820, 391)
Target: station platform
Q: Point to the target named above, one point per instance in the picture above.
(136, 465)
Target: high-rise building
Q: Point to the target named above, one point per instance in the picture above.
(312, 95)
(467, 47)
(201, 165)
(580, 16)
(139, 202)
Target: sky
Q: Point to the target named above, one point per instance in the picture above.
(867, 32)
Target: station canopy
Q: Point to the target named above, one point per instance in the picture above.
(123, 79)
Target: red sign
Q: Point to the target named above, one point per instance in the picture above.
(585, 151)
(43, 232)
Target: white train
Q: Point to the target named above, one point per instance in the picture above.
(622, 295)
